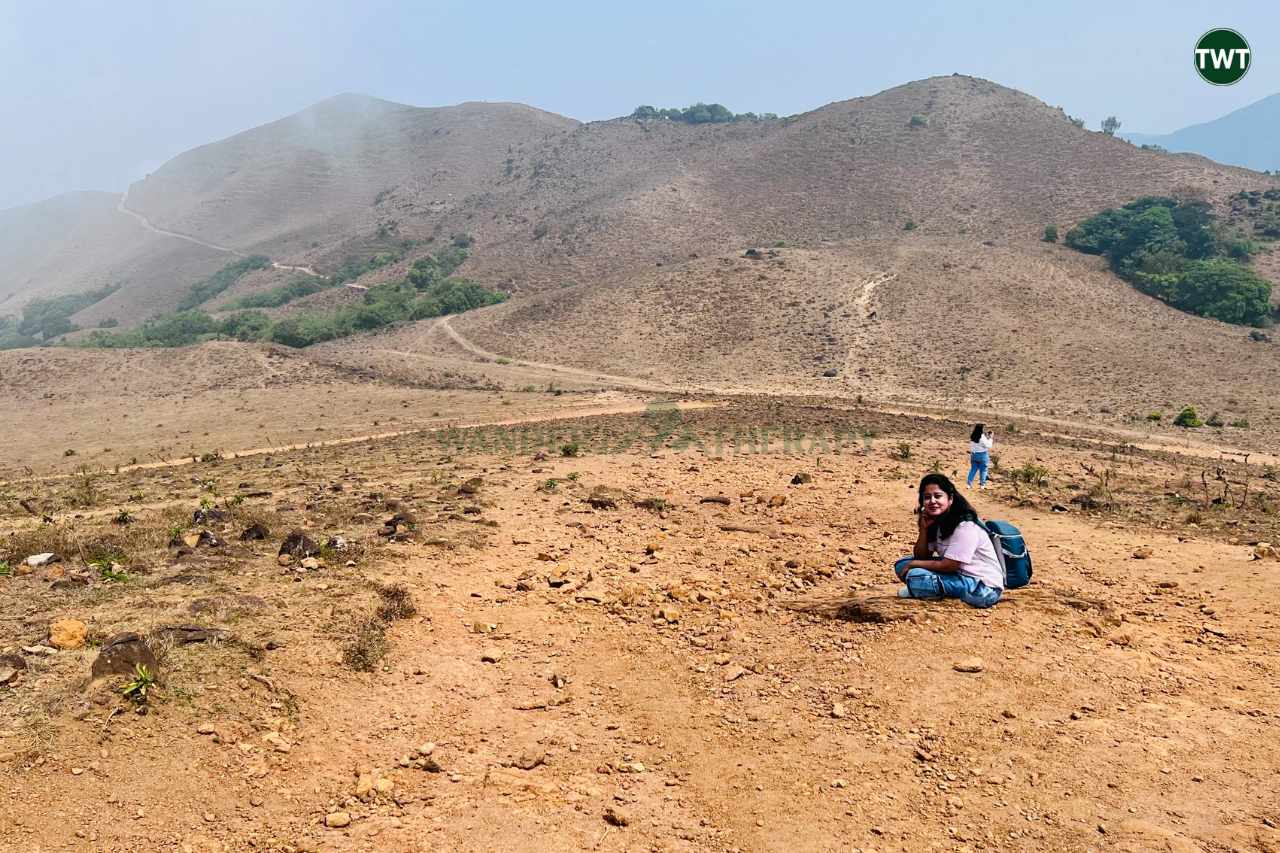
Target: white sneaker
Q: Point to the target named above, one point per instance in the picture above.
(905, 592)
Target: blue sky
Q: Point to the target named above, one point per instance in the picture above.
(95, 94)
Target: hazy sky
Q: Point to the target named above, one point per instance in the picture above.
(95, 94)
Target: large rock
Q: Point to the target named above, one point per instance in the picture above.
(68, 634)
(299, 545)
(122, 654)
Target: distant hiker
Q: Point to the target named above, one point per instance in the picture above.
(980, 443)
(953, 557)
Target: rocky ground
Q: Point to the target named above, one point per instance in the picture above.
(666, 631)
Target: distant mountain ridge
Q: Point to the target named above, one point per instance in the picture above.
(1248, 137)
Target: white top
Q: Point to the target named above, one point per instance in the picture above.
(982, 445)
(970, 546)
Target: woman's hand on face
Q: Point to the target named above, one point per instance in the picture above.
(923, 521)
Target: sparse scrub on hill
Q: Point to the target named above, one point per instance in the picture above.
(1176, 251)
(699, 113)
(1110, 125)
(354, 266)
(203, 291)
(428, 291)
(282, 295)
(918, 120)
(1050, 234)
(45, 319)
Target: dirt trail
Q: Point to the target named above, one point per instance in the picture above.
(146, 223)
(623, 381)
(868, 290)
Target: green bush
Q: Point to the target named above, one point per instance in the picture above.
(1155, 417)
(282, 295)
(1188, 419)
(51, 317)
(1050, 234)
(201, 292)
(699, 113)
(1175, 251)
(919, 121)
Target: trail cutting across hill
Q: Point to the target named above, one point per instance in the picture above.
(150, 226)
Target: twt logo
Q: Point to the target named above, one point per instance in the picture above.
(1222, 57)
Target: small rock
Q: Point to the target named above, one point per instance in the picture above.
(426, 749)
(310, 564)
(733, 673)
(801, 478)
(616, 817)
(530, 759)
(1143, 553)
(364, 786)
(968, 665)
(37, 561)
(337, 820)
(491, 655)
(68, 634)
(205, 729)
(838, 711)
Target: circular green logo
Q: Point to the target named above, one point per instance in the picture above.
(1222, 57)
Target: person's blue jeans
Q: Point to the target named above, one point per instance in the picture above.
(978, 465)
(924, 584)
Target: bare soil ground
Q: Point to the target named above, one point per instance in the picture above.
(597, 658)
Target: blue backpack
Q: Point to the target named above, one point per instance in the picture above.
(1012, 553)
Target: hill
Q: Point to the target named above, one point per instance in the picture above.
(1245, 137)
(302, 190)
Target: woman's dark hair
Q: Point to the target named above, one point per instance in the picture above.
(960, 509)
(978, 430)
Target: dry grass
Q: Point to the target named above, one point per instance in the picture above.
(397, 602)
(368, 644)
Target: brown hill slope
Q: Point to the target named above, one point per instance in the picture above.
(79, 242)
(314, 177)
(300, 189)
(612, 198)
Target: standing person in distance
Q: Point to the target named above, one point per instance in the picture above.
(980, 443)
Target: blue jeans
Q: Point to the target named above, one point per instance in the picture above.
(924, 584)
(978, 465)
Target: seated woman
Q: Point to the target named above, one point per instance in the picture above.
(954, 557)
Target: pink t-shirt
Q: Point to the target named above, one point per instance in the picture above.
(970, 546)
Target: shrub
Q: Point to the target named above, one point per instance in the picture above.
(282, 295)
(1240, 424)
(1155, 417)
(918, 120)
(909, 225)
(202, 291)
(1050, 234)
(1214, 420)
(904, 450)
(1110, 125)
(49, 318)
(1173, 250)
(698, 113)
(1031, 474)
(1187, 418)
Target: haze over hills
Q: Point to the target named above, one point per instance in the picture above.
(1246, 137)
(620, 242)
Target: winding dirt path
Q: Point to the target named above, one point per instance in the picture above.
(623, 381)
(146, 223)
